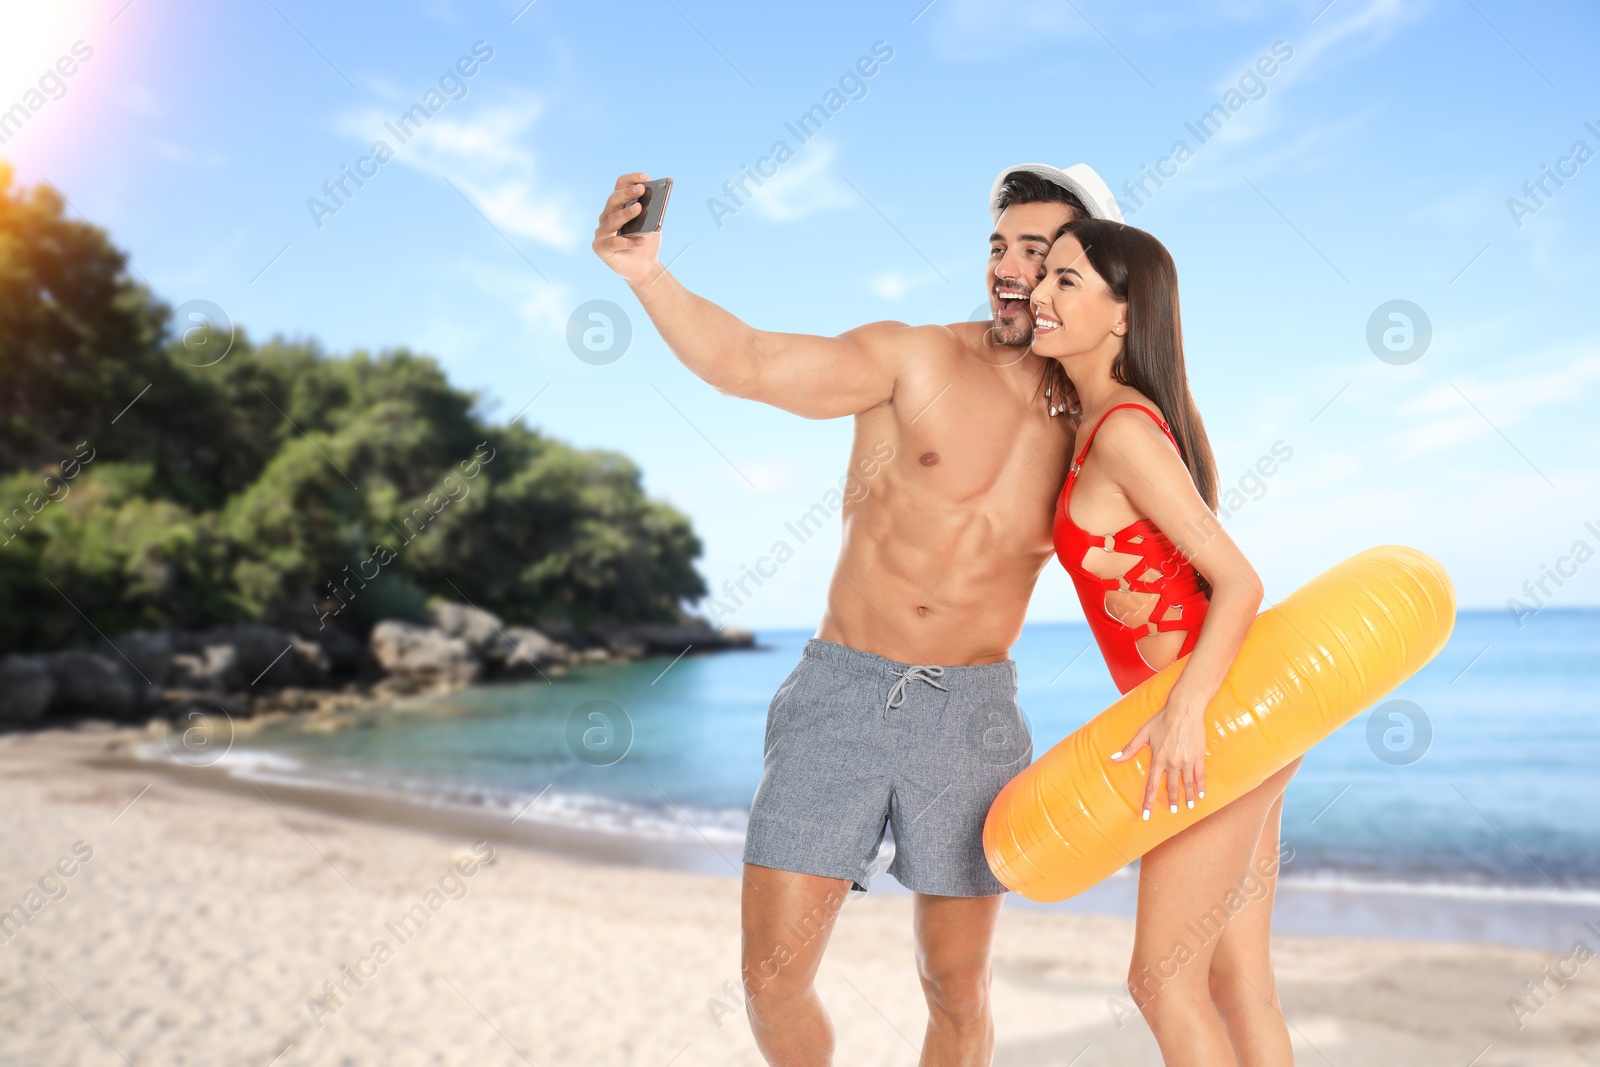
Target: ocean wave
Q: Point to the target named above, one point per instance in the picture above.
(1480, 892)
(671, 822)
(589, 812)
(1330, 880)
(571, 810)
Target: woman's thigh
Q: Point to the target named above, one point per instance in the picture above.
(1194, 887)
(1245, 948)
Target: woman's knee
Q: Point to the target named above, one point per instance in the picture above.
(1240, 987)
(1164, 987)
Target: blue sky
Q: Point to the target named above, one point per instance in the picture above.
(1374, 164)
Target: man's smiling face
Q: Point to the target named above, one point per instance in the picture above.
(1017, 249)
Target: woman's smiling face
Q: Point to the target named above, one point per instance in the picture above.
(1074, 310)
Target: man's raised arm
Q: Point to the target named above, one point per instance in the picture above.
(815, 377)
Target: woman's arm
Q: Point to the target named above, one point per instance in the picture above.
(1152, 476)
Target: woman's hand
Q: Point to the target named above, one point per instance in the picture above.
(1176, 736)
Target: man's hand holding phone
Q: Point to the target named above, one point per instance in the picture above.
(635, 256)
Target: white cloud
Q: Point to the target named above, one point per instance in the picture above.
(778, 477)
(547, 307)
(804, 187)
(1310, 148)
(188, 155)
(1294, 144)
(1367, 26)
(543, 307)
(1454, 413)
(480, 153)
(892, 284)
(1464, 207)
(978, 29)
(972, 28)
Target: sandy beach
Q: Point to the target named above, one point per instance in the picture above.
(201, 925)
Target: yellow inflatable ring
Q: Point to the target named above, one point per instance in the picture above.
(1308, 665)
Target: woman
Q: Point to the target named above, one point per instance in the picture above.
(1167, 583)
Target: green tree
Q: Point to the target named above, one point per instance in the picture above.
(260, 485)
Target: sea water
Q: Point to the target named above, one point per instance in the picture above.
(1461, 806)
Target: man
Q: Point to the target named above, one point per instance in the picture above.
(903, 708)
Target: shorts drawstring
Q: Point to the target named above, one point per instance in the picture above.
(897, 692)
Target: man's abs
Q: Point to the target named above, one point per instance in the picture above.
(959, 618)
(922, 578)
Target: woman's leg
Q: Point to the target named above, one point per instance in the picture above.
(1242, 984)
(1192, 888)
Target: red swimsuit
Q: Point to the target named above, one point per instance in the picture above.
(1176, 583)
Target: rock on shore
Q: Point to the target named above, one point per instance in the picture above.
(255, 667)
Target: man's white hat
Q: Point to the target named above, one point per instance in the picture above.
(1079, 179)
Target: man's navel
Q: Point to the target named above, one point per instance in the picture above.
(928, 459)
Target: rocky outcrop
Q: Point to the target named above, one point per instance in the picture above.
(25, 688)
(480, 629)
(658, 639)
(662, 640)
(225, 658)
(503, 649)
(251, 668)
(526, 650)
(264, 655)
(156, 671)
(425, 655)
(88, 682)
(149, 653)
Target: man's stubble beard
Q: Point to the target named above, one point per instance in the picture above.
(1019, 334)
(1005, 346)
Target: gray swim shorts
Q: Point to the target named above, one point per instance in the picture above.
(856, 742)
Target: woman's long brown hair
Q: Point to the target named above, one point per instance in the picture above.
(1140, 273)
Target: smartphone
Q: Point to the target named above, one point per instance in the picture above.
(654, 202)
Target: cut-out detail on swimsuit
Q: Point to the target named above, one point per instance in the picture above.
(1129, 614)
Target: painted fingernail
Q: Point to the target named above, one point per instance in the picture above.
(1202, 794)
(1174, 809)
(1117, 754)
(1191, 804)
(1146, 814)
